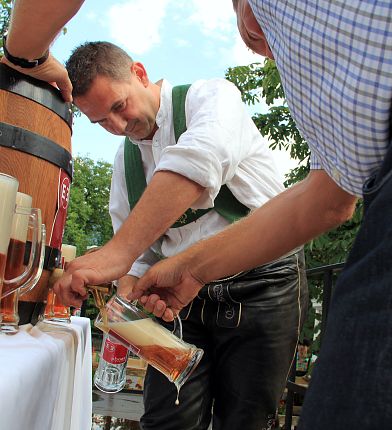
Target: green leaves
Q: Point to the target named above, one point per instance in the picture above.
(88, 221)
(5, 13)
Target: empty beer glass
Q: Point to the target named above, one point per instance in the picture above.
(144, 336)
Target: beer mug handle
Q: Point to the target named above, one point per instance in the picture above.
(29, 278)
(177, 323)
(37, 264)
(177, 327)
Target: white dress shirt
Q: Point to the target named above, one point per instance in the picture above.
(222, 145)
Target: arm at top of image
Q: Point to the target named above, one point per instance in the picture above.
(35, 24)
(33, 27)
(292, 218)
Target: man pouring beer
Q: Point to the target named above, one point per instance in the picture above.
(193, 162)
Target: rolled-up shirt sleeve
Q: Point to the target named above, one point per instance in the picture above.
(211, 149)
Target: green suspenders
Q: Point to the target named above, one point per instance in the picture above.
(225, 203)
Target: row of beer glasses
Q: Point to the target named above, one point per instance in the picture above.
(122, 320)
(19, 224)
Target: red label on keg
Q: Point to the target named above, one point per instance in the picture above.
(63, 188)
(114, 353)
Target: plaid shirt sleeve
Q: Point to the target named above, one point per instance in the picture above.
(335, 62)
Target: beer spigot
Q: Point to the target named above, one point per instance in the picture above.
(99, 292)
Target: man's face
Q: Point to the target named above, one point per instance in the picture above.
(250, 30)
(122, 107)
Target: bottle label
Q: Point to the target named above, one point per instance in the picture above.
(114, 353)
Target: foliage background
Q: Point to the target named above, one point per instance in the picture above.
(5, 10)
(88, 221)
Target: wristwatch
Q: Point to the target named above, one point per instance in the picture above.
(23, 62)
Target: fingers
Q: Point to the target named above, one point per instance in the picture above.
(155, 305)
(82, 271)
(143, 285)
(70, 290)
(125, 285)
(140, 288)
(65, 88)
(63, 82)
(168, 315)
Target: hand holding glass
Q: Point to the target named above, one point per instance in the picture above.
(145, 337)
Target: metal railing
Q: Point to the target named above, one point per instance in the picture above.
(326, 273)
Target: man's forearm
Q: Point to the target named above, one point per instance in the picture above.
(289, 220)
(166, 198)
(35, 24)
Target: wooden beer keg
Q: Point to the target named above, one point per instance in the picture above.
(35, 147)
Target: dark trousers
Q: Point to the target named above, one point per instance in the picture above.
(352, 379)
(248, 328)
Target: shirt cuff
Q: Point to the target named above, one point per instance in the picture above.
(314, 162)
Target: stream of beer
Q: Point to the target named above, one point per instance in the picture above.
(99, 299)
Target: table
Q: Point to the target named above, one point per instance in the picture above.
(124, 404)
(45, 377)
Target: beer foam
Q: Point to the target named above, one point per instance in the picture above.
(20, 222)
(8, 190)
(146, 332)
(68, 252)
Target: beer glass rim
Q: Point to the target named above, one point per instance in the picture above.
(129, 304)
(177, 323)
(9, 176)
(122, 300)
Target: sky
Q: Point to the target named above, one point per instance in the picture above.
(179, 40)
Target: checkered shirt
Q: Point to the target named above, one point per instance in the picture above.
(335, 61)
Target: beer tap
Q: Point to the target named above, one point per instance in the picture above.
(99, 292)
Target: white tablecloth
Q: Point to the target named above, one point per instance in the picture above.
(45, 377)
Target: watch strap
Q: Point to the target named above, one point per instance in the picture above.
(23, 62)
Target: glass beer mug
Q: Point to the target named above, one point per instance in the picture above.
(54, 310)
(26, 224)
(144, 336)
(8, 190)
